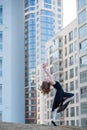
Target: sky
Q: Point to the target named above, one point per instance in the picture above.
(69, 11)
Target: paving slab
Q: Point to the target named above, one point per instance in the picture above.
(15, 126)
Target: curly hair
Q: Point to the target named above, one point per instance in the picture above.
(45, 87)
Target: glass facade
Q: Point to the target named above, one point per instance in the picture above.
(0, 66)
(1, 39)
(46, 30)
(83, 61)
(81, 3)
(83, 46)
(1, 14)
(0, 94)
(82, 16)
(83, 31)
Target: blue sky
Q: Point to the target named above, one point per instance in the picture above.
(69, 11)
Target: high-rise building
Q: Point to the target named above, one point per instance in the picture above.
(12, 61)
(43, 18)
(73, 54)
(62, 63)
(82, 50)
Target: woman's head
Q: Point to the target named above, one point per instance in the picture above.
(45, 87)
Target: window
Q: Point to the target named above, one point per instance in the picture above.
(66, 87)
(84, 108)
(1, 40)
(83, 31)
(75, 32)
(51, 49)
(71, 60)
(77, 110)
(83, 61)
(0, 116)
(66, 63)
(71, 85)
(65, 39)
(82, 16)
(72, 123)
(83, 76)
(65, 51)
(0, 94)
(71, 73)
(76, 71)
(77, 97)
(72, 112)
(81, 3)
(0, 67)
(66, 75)
(71, 48)
(67, 112)
(84, 122)
(83, 92)
(70, 35)
(1, 14)
(83, 46)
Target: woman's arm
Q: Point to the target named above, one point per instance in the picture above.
(48, 74)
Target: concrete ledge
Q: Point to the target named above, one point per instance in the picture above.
(14, 126)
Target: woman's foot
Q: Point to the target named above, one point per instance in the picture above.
(53, 123)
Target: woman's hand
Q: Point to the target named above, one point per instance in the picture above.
(44, 66)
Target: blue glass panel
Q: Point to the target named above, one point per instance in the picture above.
(82, 16)
(81, 3)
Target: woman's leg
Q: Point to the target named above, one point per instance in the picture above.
(67, 97)
(54, 112)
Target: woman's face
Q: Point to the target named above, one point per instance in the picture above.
(47, 80)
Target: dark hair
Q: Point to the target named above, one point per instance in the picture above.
(45, 87)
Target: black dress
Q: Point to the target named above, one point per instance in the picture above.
(58, 96)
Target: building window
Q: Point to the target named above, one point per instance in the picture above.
(0, 116)
(1, 40)
(66, 63)
(82, 31)
(66, 87)
(1, 14)
(67, 112)
(55, 67)
(51, 49)
(66, 75)
(76, 71)
(77, 111)
(81, 3)
(71, 36)
(51, 70)
(71, 60)
(83, 92)
(84, 122)
(83, 76)
(0, 94)
(83, 46)
(84, 108)
(71, 48)
(65, 39)
(0, 67)
(82, 16)
(83, 61)
(77, 97)
(75, 32)
(72, 112)
(72, 123)
(71, 73)
(76, 84)
(71, 85)
(65, 51)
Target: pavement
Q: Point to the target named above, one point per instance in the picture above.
(15, 126)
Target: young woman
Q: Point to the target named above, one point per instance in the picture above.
(61, 99)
